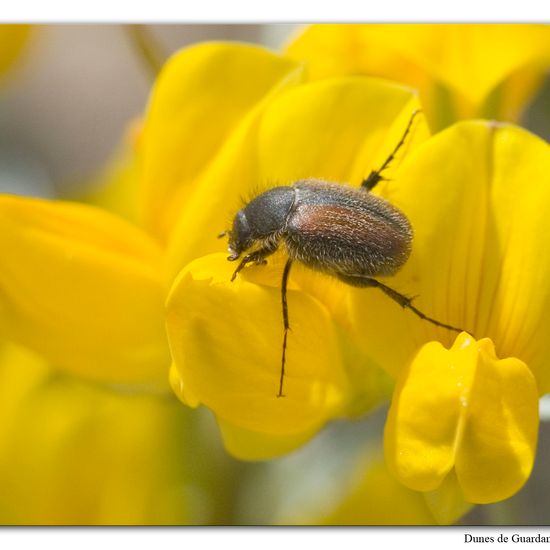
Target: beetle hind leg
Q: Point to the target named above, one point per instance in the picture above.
(404, 301)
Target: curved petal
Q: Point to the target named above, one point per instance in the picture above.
(457, 68)
(201, 96)
(471, 59)
(84, 289)
(243, 443)
(339, 129)
(499, 443)
(226, 345)
(333, 50)
(476, 197)
(428, 413)
(465, 409)
(253, 445)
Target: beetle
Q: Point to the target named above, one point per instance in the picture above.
(336, 229)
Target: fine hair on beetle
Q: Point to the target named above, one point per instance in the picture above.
(335, 229)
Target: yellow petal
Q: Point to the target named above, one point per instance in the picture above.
(471, 59)
(83, 288)
(465, 409)
(333, 50)
(457, 68)
(427, 415)
(243, 443)
(252, 445)
(202, 95)
(499, 442)
(338, 130)
(226, 344)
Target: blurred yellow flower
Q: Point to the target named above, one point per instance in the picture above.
(75, 279)
(460, 70)
(77, 454)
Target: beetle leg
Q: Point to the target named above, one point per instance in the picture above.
(402, 300)
(376, 175)
(258, 257)
(286, 324)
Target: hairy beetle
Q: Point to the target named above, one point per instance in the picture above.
(342, 231)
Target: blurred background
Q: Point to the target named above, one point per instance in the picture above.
(64, 107)
(68, 99)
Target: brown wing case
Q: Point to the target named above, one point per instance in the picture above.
(352, 233)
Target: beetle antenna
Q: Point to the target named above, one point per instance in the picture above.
(376, 175)
(286, 325)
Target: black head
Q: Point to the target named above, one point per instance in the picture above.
(261, 218)
(240, 236)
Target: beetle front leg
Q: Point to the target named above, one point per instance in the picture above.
(257, 257)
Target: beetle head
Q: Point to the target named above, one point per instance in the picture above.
(240, 236)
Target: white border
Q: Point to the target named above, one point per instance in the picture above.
(359, 538)
(276, 11)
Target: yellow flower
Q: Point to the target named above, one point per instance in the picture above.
(461, 71)
(87, 290)
(475, 197)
